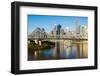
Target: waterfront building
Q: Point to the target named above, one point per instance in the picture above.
(83, 31)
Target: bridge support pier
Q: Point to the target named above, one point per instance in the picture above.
(38, 42)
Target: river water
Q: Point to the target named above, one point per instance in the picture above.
(64, 49)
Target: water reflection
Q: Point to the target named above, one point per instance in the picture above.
(64, 49)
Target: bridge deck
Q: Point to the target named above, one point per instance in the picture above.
(58, 39)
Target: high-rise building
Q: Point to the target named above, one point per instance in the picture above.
(83, 31)
(77, 27)
(57, 31)
(62, 33)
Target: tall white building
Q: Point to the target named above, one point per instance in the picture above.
(83, 31)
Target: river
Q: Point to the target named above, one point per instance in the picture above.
(64, 49)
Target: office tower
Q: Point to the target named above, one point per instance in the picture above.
(58, 30)
(83, 30)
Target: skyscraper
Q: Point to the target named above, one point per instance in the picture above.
(77, 27)
(58, 29)
(83, 30)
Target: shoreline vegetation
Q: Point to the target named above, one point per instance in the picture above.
(32, 46)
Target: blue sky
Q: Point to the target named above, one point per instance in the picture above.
(47, 21)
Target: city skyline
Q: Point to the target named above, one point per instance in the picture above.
(57, 37)
(47, 22)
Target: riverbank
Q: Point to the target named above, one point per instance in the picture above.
(32, 46)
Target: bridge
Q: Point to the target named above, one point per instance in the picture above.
(39, 40)
(58, 39)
